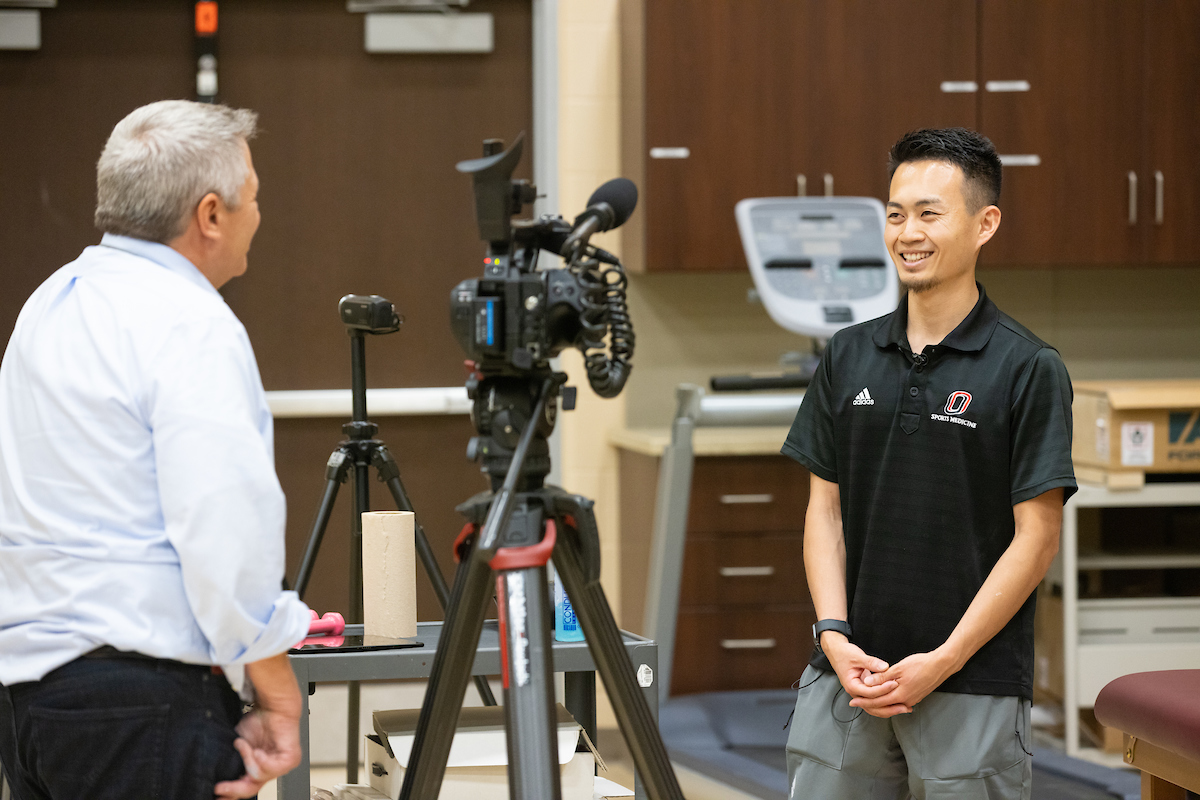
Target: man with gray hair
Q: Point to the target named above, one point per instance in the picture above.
(141, 521)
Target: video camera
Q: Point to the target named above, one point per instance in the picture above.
(516, 317)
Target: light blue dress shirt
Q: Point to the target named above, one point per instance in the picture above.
(139, 506)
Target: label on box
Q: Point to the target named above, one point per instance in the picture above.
(1137, 444)
(1183, 437)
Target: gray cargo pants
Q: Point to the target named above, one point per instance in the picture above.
(951, 747)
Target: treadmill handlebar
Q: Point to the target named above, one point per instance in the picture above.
(760, 408)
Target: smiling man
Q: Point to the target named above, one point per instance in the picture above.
(934, 512)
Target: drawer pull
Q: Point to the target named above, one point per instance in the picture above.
(670, 152)
(1133, 195)
(951, 87)
(1021, 160)
(1007, 86)
(1158, 197)
(747, 644)
(746, 572)
(736, 499)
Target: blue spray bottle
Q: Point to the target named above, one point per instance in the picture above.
(566, 624)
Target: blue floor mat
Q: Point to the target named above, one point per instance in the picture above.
(737, 738)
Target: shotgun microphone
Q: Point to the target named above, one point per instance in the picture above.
(607, 208)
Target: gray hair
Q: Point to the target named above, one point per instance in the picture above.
(162, 159)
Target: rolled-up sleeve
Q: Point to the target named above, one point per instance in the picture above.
(222, 506)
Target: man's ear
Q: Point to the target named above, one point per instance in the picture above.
(207, 212)
(989, 221)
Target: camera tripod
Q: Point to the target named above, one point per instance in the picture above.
(513, 531)
(362, 451)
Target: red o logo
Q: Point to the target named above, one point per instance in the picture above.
(958, 403)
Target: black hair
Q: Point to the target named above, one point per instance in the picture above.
(971, 152)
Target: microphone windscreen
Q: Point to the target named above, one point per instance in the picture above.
(621, 195)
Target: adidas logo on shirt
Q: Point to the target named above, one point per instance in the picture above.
(864, 399)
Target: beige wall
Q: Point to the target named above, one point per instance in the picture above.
(589, 154)
(1118, 323)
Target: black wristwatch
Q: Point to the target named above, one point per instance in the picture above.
(838, 625)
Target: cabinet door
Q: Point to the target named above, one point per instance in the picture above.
(761, 91)
(715, 78)
(1080, 117)
(1172, 130)
(878, 70)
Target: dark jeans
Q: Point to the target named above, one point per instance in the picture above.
(120, 729)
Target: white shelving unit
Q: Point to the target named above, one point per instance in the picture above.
(1104, 639)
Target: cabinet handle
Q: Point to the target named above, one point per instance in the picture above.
(738, 499)
(801, 186)
(747, 644)
(953, 87)
(1132, 197)
(1020, 160)
(1007, 86)
(669, 152)
(746, 572)
(828, 185)
(1158, 197)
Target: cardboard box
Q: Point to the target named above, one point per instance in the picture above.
(1136, 427)
(476, 768)
(1048, 646)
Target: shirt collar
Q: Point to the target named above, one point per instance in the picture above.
(160, 254)
(971, 335)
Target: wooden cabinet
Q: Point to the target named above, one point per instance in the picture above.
(1171, 118)
(1092, 106)
(745, 614)
(1105, 100)
(754, 98)
(1060, 87)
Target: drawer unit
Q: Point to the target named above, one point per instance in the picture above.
(747, 494)
(745, 614)
(747, 570)
(720, 649)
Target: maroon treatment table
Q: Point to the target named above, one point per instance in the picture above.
(1159, 713)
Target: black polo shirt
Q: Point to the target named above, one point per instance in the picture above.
(930, 453)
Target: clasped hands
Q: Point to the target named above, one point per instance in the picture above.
(880, 689)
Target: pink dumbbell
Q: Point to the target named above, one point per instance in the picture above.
(332, 624)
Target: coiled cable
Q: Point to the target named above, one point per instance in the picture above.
(605, 314)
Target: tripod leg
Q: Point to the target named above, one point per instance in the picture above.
(335, 475)
(448, 678)
(608, 651)
(390, 472)
(460, 633)
(533, 772)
